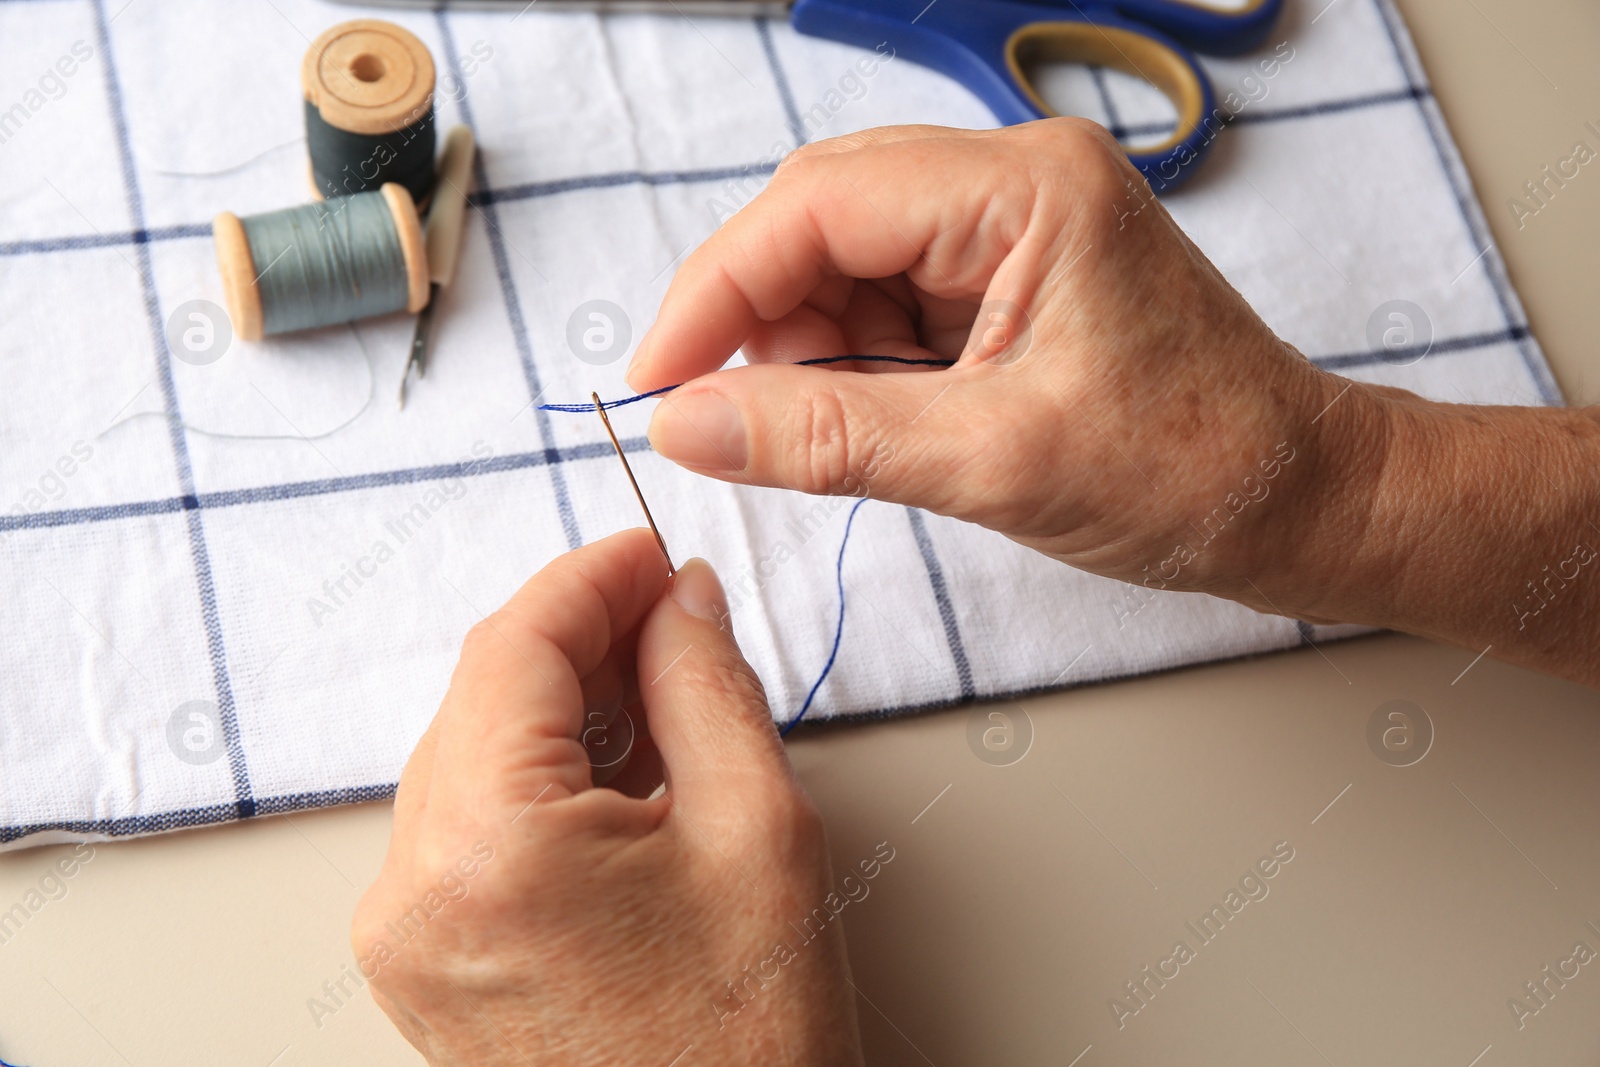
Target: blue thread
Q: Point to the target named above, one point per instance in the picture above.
(839, 568)
(579, 409)
(876, 359)
(607, 404)
(838, 630)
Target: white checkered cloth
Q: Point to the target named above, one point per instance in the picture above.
(179, 641)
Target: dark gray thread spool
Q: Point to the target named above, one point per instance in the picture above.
(369, 110)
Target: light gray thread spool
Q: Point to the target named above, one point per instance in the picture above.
(318, 265)
(322, 263)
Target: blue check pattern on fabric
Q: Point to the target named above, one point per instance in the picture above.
(129, 579)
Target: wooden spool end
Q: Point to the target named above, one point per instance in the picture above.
(238, 275)
(409, 228)
(368, 76)
(419, 209)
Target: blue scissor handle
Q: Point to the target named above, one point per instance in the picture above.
(986, 45)
(1208, 30)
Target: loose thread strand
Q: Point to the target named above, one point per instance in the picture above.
(584, 409)
(838, 630)
(372, 381)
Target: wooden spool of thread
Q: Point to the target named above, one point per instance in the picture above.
(369, 110)
(322, 263)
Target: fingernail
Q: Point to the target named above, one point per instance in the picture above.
(702, 430)
(696, 590)
(639, 359)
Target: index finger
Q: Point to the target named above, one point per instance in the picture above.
(853, 209)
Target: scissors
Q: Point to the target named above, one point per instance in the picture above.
(989, 45)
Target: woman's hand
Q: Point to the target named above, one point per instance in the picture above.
(525, 917)
(1115, 404)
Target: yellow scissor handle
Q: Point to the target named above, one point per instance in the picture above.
(1121, 49)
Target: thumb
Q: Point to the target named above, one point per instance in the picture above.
(910, 438)
(705, 706)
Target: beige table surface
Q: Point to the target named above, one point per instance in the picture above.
(1025, 896)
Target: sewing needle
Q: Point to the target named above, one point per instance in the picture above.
(616, 444)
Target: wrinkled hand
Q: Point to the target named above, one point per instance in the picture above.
(1112, 389)
(1115, 404)
(525, 916)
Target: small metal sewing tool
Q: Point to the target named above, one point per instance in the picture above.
(419, 343)
(445, 223)
(616, 444)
